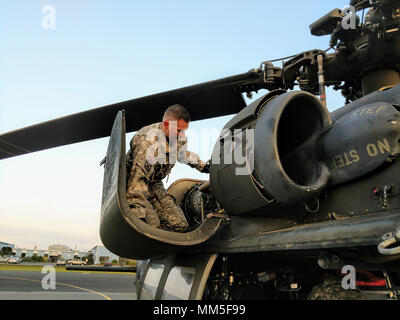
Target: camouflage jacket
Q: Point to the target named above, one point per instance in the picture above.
(156, 156)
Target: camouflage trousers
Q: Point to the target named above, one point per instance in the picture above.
(157, 207)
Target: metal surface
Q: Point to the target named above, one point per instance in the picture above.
(322, 235)
(380, 79)
(289, 123)
(229, 188)
(180, 187)
(202, 263)
(390, 96)
(360, 142)
(286, 127)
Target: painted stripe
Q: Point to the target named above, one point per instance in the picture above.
(61, 284)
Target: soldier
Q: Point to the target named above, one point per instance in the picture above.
(154, 152)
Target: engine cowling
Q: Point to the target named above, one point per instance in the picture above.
(275, 139)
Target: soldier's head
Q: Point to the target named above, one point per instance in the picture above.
(175, 121)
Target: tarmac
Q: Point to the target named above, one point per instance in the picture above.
(70, 285)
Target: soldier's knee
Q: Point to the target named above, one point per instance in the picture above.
(174, 220)
(168, 199)
(152, 219)
(177, 227)
(146, 214)
(181, 226)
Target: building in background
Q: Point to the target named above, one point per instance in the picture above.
(5, 245)
(52, 254)
(101, 254)
(59, 248)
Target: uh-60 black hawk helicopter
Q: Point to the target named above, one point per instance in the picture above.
(322, 190)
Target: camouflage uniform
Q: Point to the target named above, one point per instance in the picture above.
(151, 159)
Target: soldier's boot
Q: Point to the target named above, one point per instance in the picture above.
(172, 217)
(149, 215)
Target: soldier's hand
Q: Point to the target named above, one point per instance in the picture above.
(206, 168)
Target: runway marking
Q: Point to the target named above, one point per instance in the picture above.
(61, 284)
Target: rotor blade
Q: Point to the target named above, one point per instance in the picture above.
(206, 100)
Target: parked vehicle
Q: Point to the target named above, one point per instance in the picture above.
(76, 262)
(4, 259)
(14, 260)
(61, 262)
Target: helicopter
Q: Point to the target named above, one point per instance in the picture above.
(317, 191)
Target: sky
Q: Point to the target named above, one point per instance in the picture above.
(97, 52)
